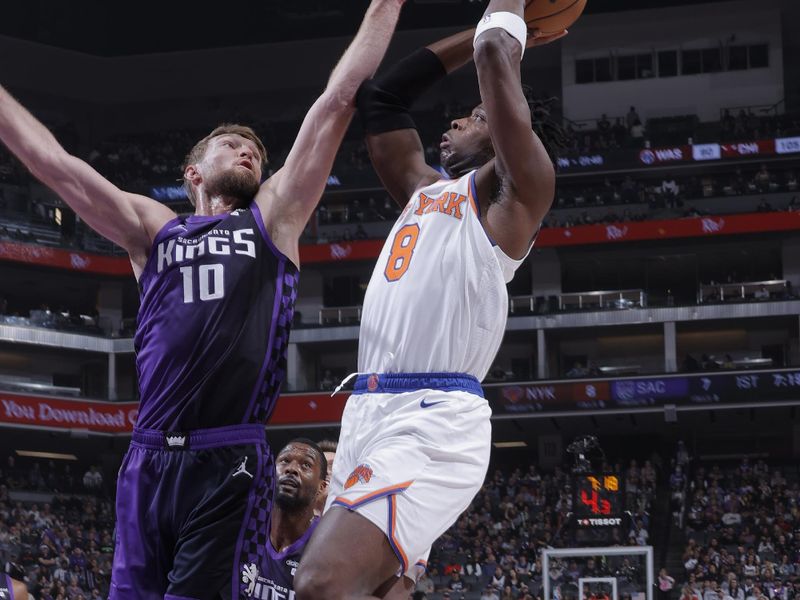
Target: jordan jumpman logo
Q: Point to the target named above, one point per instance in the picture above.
(242, 470)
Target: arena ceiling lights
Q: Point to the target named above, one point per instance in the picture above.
(46, 455)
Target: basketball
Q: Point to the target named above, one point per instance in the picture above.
(552, 16)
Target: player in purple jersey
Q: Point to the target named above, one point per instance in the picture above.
(11, 586)
(217, 299)
(302, 469)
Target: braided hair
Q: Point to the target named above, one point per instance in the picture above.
(554, 137)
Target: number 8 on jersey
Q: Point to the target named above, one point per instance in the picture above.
(402, 250)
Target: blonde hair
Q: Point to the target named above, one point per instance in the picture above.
(197, 153)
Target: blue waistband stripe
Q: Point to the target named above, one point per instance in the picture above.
(399, 383)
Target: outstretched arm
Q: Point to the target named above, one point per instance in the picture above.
(522, 168)
(288, 199)
(394, 145)
(128, 220)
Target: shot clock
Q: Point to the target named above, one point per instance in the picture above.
(598, 500)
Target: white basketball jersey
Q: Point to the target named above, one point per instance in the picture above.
(437, 300)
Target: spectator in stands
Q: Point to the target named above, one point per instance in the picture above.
(637, 134)
(632, 118)
(93, 479)
(732, 589)
(713, 590)
(472, 567)
(764, 206)
(619, 132)
(425, 584)
(489, 594)
(762, 179)
(639, 534)
(664, 584)
(577, 370)
(498, 579)
(794, 204)
(689, 593)
(327, 382)
(670, 190)
(603, 126)
(728, 124)
(761, 293)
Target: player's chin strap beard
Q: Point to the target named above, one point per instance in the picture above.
(464, 165)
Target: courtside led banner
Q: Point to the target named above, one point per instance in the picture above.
(370, 249)
(40, 412)
(58, 413)
(685, 153)
(506, 399)
(644, 392)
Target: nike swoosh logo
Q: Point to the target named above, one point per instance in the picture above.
(424, 404)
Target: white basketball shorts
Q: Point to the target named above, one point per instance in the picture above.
(413, 452)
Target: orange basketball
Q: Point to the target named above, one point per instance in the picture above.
(552, 16)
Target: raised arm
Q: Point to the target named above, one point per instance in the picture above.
(289, 197)
(394, 144)
(522, 171)
(129, 220)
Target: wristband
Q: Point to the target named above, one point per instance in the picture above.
(508, 21)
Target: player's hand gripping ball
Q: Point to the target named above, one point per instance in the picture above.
(551, 17)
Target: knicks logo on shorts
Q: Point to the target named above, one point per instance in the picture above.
(372, 382)
(362, 473)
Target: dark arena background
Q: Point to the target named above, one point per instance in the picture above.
(645, 397)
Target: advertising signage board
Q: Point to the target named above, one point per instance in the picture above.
(644, 392)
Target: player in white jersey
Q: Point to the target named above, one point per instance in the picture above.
(416, 435)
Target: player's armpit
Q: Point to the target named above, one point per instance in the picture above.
(511, 219)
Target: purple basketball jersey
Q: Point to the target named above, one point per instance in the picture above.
(6, 587)
(274, 580)
(217, 302)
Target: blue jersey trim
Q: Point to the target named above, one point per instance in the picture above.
(399, 383)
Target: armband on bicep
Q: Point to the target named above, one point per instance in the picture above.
(381, 111)
(384, 102)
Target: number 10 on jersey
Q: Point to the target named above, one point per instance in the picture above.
(402, 251)
(211, 282)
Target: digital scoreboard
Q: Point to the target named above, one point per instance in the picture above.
(598, 500)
